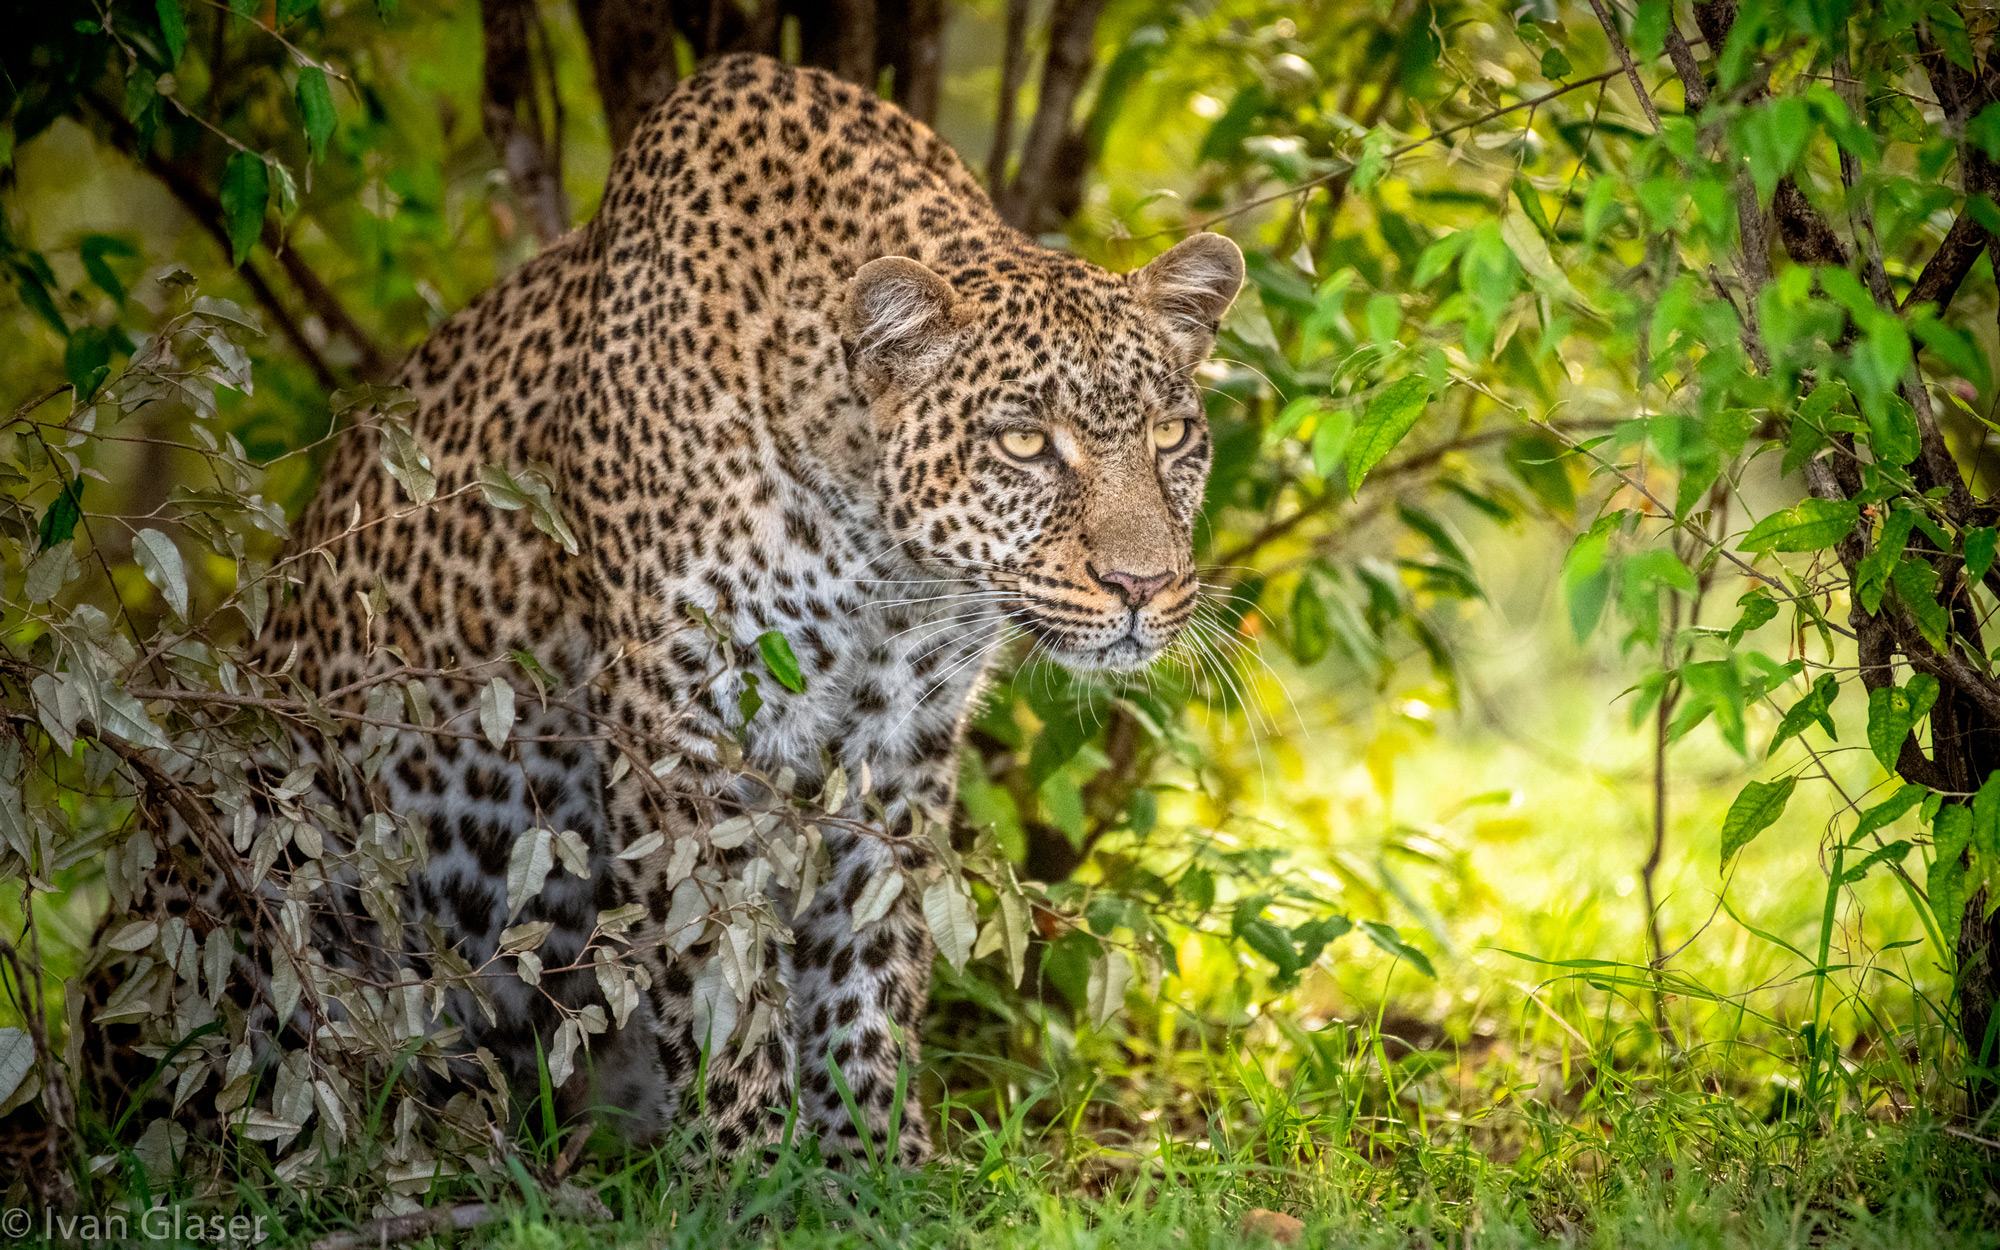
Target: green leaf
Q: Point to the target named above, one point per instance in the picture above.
(529, 861)
(1888, 811)
(1956, 348)
(530, 490)
(1393, 944)
(1984, 131)
(59, 522)
(1986, 817)
(1374, 161)
(1530, 201)
(1649, 28)
(1951, 833)
(1312, 630)
(1313, 936)
(1586, 577)
(1540, 461)
(778, 657)
(160, 560)
(1438, 257)
(1249, 321)
(1273, 943)
(1554, 64)
(1715, 686)
(34, 281)
(1384, 316)
(17, 1058)
(173, 29)
(46, 575)
(1384, 422)
(1815, 707)
(92, 250)
(315, 109)
(1871, 576)
(1948, 28)
(1062, 804)
(246, 190)
(1758, 610)
(120, 714)
(1197, 887)
(1916, 585)
(1757, 808)
(1894, 853)
(1892, 430)
(284, 192)
(1329, 443)
(1893, 711)
(87, 360)
(1813, 524)
(1979, 547)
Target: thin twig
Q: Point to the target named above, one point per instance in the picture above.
(1348, 166)
(1631, 71)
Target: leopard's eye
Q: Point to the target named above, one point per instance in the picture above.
(1168, 435)
(1023, 444)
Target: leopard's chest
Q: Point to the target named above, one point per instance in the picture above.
(886, 657)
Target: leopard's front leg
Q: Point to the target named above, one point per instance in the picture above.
(745, 1087)
(860, 992)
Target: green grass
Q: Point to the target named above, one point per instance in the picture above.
(1674, 1170)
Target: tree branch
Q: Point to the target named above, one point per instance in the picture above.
(1939, 467)
(371, 364)
(1328, 500)
(1072, 51)
(1625, 61)
(1694, 88)
(1948, 266)
(1963, 94)
(1806, 237)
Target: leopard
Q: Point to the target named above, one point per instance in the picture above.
(795, 377)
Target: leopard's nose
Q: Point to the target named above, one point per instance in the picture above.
(1136, 589)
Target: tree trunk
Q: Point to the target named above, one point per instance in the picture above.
(632, 52)
(1013, 67)
(530, 148)
(910, 43)
(1978, 994)
(853, 43)
(1965, 721)
(1048, 182)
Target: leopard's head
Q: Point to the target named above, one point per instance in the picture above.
(1041, 436)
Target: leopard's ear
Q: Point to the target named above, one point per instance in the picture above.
(1190, 286)
(900, 318)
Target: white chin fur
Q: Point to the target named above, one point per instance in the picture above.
(1123, 656)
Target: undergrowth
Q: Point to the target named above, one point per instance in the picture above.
(1363, 1136)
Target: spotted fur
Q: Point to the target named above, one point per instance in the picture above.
(770, 380)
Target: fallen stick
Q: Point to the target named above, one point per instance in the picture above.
(417, 1224)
